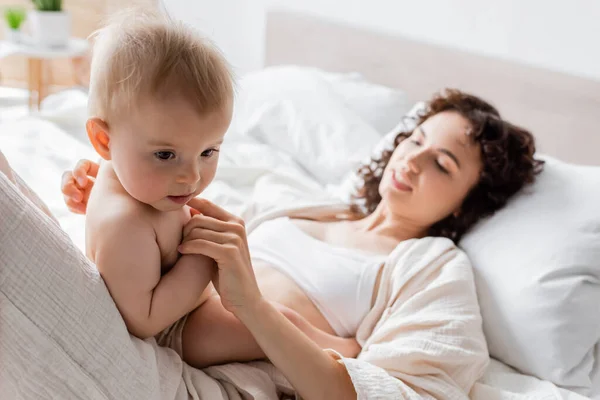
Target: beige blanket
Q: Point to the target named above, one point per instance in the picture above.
(61, 336)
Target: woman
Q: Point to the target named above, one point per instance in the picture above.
(461, 163)
(417, 316)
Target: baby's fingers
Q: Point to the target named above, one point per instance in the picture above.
(83, 170)
(80, 173)
(76, 207)
(69, 187)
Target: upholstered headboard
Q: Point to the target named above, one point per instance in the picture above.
(561, 110)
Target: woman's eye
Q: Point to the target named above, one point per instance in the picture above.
(164, 155)
(209, 152)
(441, 167)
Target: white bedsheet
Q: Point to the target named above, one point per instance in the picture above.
(40, 147)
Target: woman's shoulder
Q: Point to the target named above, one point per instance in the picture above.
(423, 255)
(427, 244)
(300, 210)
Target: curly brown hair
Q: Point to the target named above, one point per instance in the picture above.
(507, 154)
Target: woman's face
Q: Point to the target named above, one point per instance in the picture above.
(431, 172)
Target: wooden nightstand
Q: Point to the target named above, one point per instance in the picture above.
(36, 57)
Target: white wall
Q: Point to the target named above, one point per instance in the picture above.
(236, 26)
(563, 35)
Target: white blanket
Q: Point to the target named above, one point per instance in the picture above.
(41, 147)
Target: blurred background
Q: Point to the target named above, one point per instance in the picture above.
(559, 35)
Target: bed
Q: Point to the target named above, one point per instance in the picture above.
(288, 118)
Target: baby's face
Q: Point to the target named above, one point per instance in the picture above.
(165, 153)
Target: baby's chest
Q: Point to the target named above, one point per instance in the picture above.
(169, 232)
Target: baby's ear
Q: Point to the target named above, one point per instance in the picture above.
(97, 131)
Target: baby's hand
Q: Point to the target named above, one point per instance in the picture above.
(76, 185)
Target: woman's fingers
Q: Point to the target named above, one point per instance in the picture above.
(210, 209)
(201, 221)
(194, 212)
(205, 222)
(209, 235)
(208, 248)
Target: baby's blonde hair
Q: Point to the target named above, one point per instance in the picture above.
(145, 53)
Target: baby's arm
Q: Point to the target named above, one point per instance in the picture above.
(129, 261)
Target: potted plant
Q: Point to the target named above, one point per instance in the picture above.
(50, 25)
(14, 17)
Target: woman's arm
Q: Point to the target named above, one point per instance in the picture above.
(311, 371)
(222, 236)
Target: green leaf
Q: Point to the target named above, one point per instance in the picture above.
(47, 5)
(14, 17)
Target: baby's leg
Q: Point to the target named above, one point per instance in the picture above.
(212, 335)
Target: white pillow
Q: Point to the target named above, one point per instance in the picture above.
(537, 271)
(298, 113)
(379, 106)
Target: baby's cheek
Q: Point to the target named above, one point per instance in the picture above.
(145, 187)
(207, 176)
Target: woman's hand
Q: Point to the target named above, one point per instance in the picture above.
(76, 185)
(221, 236)
(217, 234)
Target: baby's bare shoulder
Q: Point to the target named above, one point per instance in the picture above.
(119, 235)
(121, 217)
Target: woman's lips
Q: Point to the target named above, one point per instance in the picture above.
(399, 182)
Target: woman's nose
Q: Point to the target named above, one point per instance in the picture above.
(413, 161)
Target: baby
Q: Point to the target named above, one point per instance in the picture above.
(160, 102)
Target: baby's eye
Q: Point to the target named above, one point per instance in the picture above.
(209, 152)
(164, 155)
